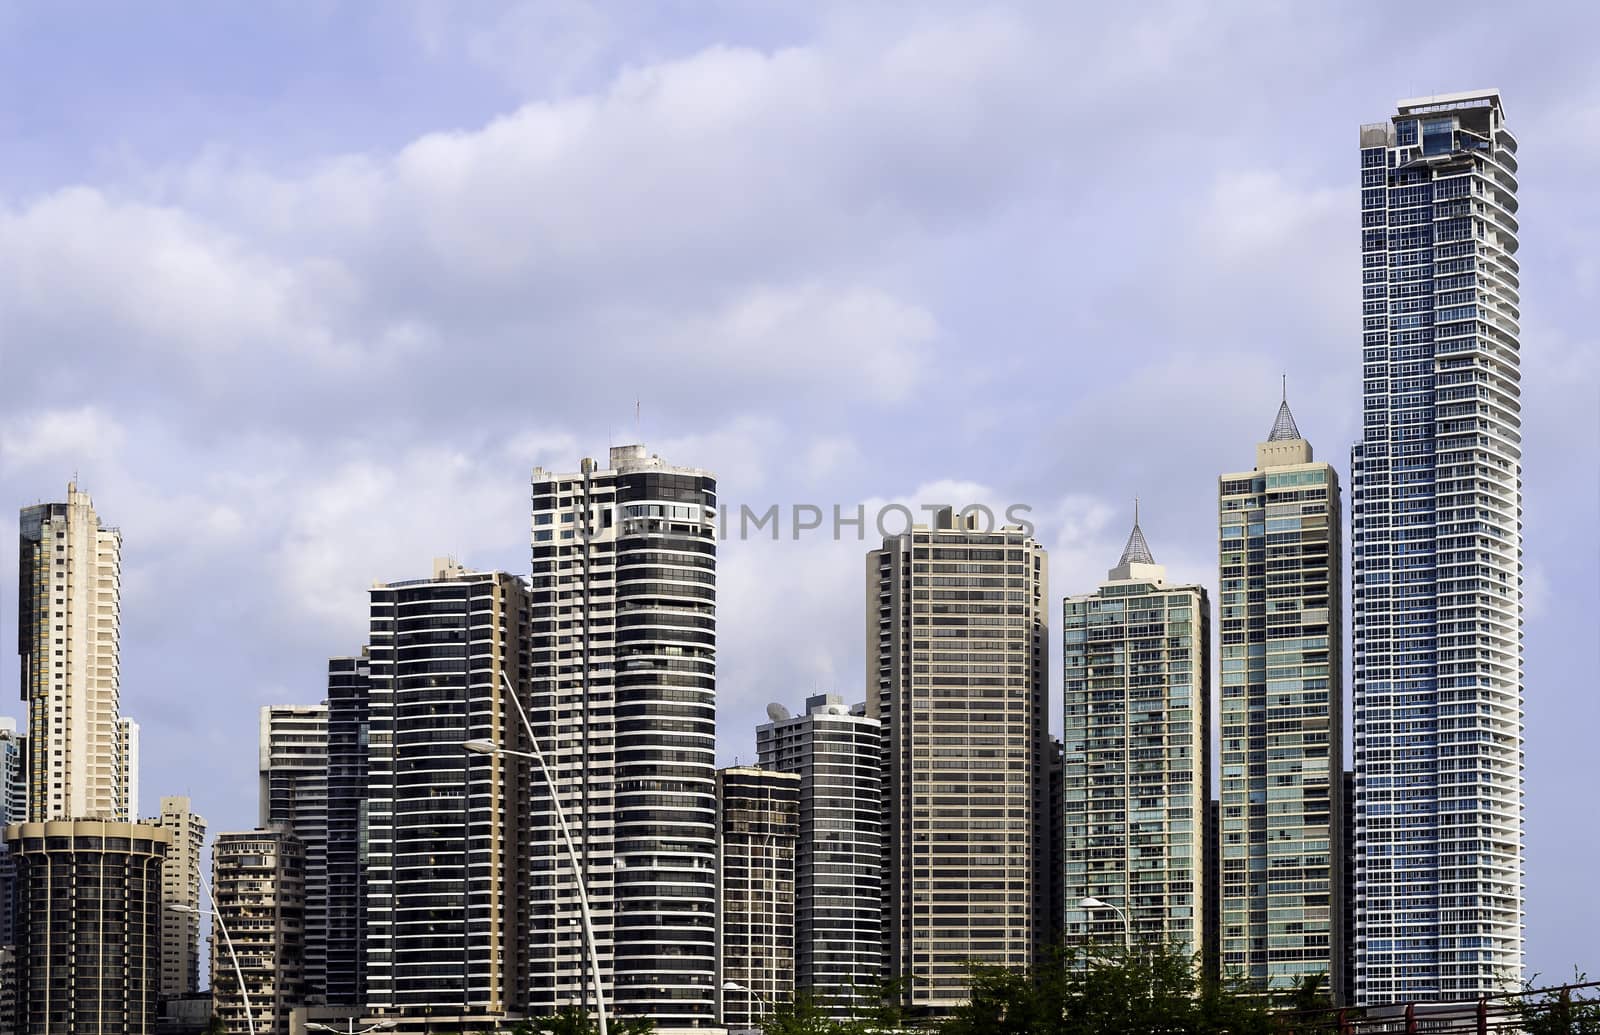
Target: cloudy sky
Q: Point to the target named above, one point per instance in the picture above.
(303, 291)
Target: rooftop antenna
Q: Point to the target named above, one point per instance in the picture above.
(638, 407)
(1285, 386)
(1136, 511)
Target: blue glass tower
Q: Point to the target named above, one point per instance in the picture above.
(1437, 558)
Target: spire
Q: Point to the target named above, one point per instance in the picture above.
(1283, 428)
(1137, 551)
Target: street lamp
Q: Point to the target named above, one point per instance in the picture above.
(761, 1013)
(351, 1030)
(238, 971)
(1127, 929)
(489, 747)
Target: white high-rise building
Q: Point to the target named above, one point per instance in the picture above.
(760, 823)
(837, 752)
(1437, 557)
(180, 896)
(69, 620)
(128, 764)
(622, 692)
(956, 639)
(293, 763)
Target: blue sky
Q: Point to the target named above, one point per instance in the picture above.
(303, 291)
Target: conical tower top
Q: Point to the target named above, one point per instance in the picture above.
(1283, 428)
(1137, 551)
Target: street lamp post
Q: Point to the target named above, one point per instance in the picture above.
(238, 971)
(351, 1030)
(1127, 929)
(489, 747)
(761, 1001)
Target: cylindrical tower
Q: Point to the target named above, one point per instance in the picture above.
(88, 925)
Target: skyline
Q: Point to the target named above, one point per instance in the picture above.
(268, 525)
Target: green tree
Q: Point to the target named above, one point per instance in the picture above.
(1559, 1011)
(876, 1009)
(1103, 990)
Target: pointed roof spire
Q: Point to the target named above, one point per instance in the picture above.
(1137, 551)
(1283, 428)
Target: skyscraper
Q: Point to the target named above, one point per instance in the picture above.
(345, 913)
(622, 691)
(88, 926)
(13, 772)
(837, 752)
(180, 896)
(1437, 557)
(759, 823)
(444, 877)
(13, 809)
(68, 629)
(293, 765)
(1137, 739)
(1281, 617)
(956, 647)
(128, 766)
(258, 877)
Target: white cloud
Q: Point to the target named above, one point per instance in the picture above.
(59, 438)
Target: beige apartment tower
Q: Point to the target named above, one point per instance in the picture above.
(956, 645)
(1282, 796)
(180, 897)
(1136, 781)
(259, 881)
(68, 627)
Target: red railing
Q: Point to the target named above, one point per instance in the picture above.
(1558, 1010)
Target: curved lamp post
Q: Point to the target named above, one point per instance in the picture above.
(1127, 929)
(351, 1030)
(238, 971)
(489, 747)
(761, 1014)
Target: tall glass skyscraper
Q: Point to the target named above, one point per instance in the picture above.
(1282, 807)
(1437, 557)
(1136, 781)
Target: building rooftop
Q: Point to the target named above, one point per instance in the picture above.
(1444, 101)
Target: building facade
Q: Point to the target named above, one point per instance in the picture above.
(956, 647)
(128, 766)
(758, 827)
(293, 767)
(344, 932)
(258, 930)
(180, 897)
(69, 620)
(445, 898)
(837, 752)
(13, 809)
(1282, 797)
(1137, 771)
(622, 691)
(1437, 557)
(88, 926)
